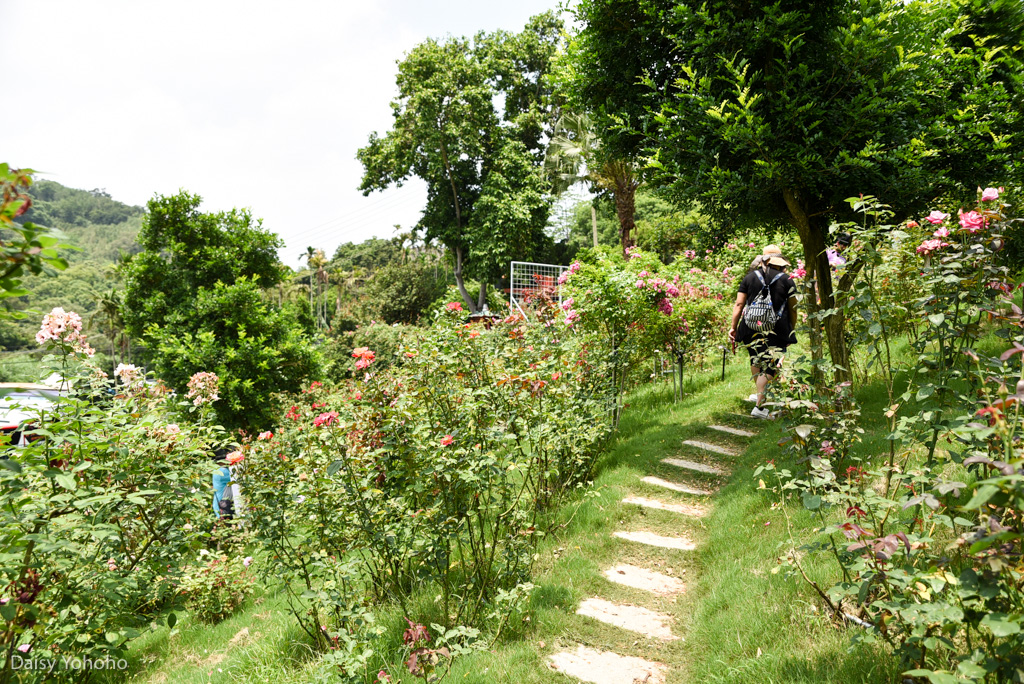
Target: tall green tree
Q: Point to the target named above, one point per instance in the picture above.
(779, 111)
(195, 296)
(482, 163)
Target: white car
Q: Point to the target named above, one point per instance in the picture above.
(21, 402)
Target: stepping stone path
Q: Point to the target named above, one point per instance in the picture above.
(732, 430)
(652, 539)
(690, 465)
(713, 448)
(683, 509)
(634, 618)
(674, 486)
(647, 580)
(602, 667)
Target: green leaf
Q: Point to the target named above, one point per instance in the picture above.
(937, 319)
(925, 392)
(812, 502)
(1001, 624)
(172, 620)
(981, 496)
(113, 637)
(334, 468)
(969, 669)
(10, 464)
(67, 481)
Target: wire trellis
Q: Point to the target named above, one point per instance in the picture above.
(529, 281)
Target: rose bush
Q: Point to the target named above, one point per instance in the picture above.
(928, 536)
(429, 476)
(97, 512)
(216, 585)
(629, 310)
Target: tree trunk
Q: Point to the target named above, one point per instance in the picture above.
(482, 299)
(812, 231)
(625, 209)
(593, 222)
(460, 283)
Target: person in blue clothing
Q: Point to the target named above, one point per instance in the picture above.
(223, 496)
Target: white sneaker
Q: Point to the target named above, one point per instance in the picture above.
(760, 413)
(752, 398)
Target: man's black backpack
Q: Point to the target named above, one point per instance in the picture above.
(759, 315)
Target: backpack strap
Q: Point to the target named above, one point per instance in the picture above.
(783, 307)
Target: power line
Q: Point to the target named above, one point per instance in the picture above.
(361, 215)
(360, 223)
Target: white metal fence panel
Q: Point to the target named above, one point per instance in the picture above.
(529, 281)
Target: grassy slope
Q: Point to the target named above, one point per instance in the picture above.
(739, 622)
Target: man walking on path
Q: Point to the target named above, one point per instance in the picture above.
(764, 320)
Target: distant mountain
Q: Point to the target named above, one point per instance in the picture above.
(97, 224)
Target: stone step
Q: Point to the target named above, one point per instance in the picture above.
(691, 465)
(652, 539)
(634, 618)
(749, 418)
(605, 667)
(683, 509)
(674, 486)
(713, 448)
(644, 579)
(732, 431)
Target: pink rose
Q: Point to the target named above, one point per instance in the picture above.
(972, 221)
(929, 246)
(941, 232)
(989, 194)
(936, 217)
(446, 440)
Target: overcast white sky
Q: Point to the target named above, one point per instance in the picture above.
(250, 104)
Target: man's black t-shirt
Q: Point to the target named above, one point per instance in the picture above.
(784, 288)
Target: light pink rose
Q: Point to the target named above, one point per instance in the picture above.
(972, 221)
(989, 194)
(941, 232)
(936, 217)
(929, 246)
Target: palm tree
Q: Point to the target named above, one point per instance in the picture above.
(310, 255)
(109, 313)
(318, 273)
(575, 155)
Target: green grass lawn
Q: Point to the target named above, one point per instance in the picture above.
(738, 622)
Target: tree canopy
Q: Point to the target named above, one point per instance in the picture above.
(195, 295)
(470, 119)
(780, 111)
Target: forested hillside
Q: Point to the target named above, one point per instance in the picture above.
(101, 229)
